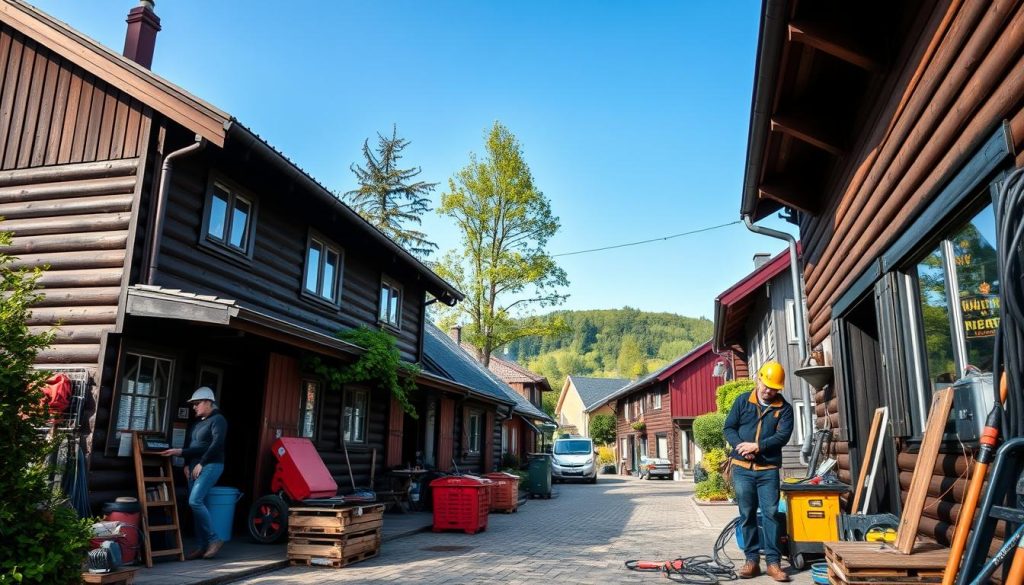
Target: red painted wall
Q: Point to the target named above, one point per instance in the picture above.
(693, 387)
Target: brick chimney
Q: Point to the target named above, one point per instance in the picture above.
(140, 38)
(760, 259)
(456, 333)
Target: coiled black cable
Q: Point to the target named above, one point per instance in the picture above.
(697, 569)
(1009, 216)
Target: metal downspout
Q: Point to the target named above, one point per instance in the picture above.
(161, 205)
(801, 334)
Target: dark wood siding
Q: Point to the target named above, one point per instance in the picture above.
(272, 281)
(76, 220)
(973, 81)
(361, 455)
(945, 104)
(52, 112)
(657, 421)
(396, 420)
(446, 435)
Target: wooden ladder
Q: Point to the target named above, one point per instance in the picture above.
(156, 492)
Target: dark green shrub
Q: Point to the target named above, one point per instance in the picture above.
(707, 431)
(713, 488)
(726, 394)
(42, 540)
(510, 461)
(602, 429)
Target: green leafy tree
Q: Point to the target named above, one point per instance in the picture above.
(503, 267)
(602, 428)
(388, 196)
(42, 540)
(726, 394)
(631, 362)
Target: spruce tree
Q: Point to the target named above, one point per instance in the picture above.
(388, 197)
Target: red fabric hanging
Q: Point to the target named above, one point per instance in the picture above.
(57, 394)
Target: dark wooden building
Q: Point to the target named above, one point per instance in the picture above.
(183, 250)
(882, 129)
(756, 318)
(667, 401)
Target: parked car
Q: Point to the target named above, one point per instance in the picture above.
(651, 467)
(573, 458)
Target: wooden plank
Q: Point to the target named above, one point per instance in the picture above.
(22, 92)
(72, 186)
(82, 121)
(96, 116)
(83, 277)
(106, 129)
(807, 131)
(869, 453)
(31, 116)
(47, 101)
(122, 73)
(101, 204)
(132, 130)
(9, 90)
(67, 132)
(72, 315)
(942, 401)
(120, 122)
(813, 35)
(111, 240)
(71, 260)
(60, 109)
(62, 173)
(67, 223)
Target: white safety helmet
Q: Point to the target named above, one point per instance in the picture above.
(203, 393)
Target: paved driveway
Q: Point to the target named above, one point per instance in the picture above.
(582, 535)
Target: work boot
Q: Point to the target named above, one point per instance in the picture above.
(196, 554)
(775, 572)
(213, 549)
(749, 570)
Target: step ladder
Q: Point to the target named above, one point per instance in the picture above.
(154, 478)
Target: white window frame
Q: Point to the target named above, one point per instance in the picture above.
(656, 400)
(659, 442)
(317, 292)
(222, 241)
(791, 324)
(159, 402)
(309, 408)
(356, 419)
(390, 298)
(475, 425)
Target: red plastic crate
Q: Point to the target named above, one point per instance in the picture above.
(504, 492)
(460, 503)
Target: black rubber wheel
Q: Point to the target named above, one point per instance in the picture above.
(268, 519)
(798, 561)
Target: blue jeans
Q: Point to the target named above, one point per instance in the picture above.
(758, 489)
(197, 490)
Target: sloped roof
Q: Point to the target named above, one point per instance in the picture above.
(510, 371)
(736, 302)
(662, 374)
(592, 391)
(443, 357)
(211, 123)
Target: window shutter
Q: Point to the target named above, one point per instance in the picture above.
(446, 442)
(893, 367)
(487, 442)
(396, 419)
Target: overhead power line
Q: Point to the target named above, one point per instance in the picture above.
(707, 229)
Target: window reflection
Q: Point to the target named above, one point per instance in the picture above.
(935, 316)
(978, 287)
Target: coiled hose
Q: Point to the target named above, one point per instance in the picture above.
(699, 569)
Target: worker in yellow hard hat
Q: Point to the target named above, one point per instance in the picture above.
(759, 423)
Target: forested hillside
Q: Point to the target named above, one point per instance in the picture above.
(612, 343)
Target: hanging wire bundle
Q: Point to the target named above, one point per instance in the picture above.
(1009, 215)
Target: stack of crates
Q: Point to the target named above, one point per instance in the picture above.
(334, 537)
(461, 502)
(504, 492)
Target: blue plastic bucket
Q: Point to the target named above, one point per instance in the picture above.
(221, 502)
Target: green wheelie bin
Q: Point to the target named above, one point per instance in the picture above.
(539, 478)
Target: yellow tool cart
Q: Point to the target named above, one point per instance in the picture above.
(812, 518)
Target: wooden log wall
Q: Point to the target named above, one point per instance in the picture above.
(74, 219)
(272, 281)
(954, 98)
(361, 456)
(446, 434)
(54, 113)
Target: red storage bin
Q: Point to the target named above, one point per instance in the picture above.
(504, 491)
(301, 472)
(460, 503)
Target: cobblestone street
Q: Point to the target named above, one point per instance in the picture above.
(582, 535)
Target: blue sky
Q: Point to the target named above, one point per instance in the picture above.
(633, 116)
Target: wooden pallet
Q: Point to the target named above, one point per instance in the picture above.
(314, 522)
(312, 561)
(862, 563)
(334, 547)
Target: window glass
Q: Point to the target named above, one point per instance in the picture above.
(935, 319)
(978, 287)
(390, 303)
(662, 447)
(330, 274)
(145, 385)
(218, 214)
(307, 408)
(240, 223)
(355, 416)
(474, 432)
(313, 265)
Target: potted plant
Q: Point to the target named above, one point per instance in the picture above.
(639, 425)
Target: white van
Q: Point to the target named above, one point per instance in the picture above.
(573, 458)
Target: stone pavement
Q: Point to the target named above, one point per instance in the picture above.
(582, 535)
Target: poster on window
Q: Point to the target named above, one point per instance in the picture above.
(981, 315)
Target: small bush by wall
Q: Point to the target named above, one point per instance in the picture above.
(707, 431)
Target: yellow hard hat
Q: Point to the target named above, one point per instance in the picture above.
(772, 375)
